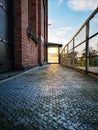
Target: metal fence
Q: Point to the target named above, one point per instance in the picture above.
(81, 52)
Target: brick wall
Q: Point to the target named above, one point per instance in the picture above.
(17, 33)
(46, 29)
(43, 30)
(29, 47)
(28, 13)
(33, 15)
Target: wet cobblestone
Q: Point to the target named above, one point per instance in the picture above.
(50, 98)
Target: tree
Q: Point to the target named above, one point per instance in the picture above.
(92, 52)
(92, 57)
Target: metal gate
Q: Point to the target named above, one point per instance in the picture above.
(5, 36)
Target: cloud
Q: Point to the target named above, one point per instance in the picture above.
(51, 21)
(95, 20)
(60, 1)
(59, 35)
(57, 39)
(63, 30)
(82, 5)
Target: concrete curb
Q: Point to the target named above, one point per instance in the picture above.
(21, 73)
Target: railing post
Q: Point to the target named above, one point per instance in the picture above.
(87, 48)
(73, 52)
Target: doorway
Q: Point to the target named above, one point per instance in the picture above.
(53, 53)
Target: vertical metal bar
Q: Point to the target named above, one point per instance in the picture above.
(87, 47)
(59, 54)
(46, 53)
(73, 51)
(64, 56)
(67, 48)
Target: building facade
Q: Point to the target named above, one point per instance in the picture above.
(23, 33)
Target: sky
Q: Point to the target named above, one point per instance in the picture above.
(66, 17)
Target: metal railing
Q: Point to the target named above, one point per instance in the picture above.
(81, 52)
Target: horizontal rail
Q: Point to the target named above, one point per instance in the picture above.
(82, 50)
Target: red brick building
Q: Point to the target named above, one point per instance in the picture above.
(27, 33)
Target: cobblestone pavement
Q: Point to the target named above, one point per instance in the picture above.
(50, 98)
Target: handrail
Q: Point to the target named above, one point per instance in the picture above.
(90, 17)
(73, 57)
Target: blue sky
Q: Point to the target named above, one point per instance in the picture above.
(66, 17)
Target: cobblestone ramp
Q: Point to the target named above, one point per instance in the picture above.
(51, 98)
